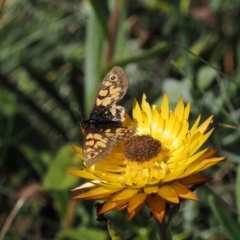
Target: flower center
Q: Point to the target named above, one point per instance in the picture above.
(142, 148)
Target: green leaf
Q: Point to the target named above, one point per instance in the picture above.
(121, 48)
(113, 231)
(205, 77)
(93, 61)
(150, 53)
(238, 189)
(101, 11)
(175, 89)
(163, 6)
(82, 234)
(56, 178)
(202, 43)
(222, 215)
(184, 6)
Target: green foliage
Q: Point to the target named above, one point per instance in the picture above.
(58, 180)
(226, 221)
(54, 55)
(82, 234)
(205, 77)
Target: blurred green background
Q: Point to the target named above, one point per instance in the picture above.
(53, 57)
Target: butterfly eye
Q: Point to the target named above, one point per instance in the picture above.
(113, 77)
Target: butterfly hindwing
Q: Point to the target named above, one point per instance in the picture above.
(98, 143)
(96, 146)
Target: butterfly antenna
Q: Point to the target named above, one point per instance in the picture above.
(81, 118)
(61, 135)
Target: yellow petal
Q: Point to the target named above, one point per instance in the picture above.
(107, 206)
(154, 123)
(136, 200)
(137, 115)
(184, 126)
(179, 109)
(201, 164)
(160, 129)
(193, 179)
(87, 185)
(165, 107)
(81, 173)
(157, 206)
(175, 130)
(187, 111)
(195, 125)
(204, 138)
(183, 192)
(166, 192)
(151, 189)
(171, 123)
(145, 124)
(208, 153)
(121, 205)
(209, 163)
(135, 204)
(77, 151)
(146, 108)
(202, 128)
(110, 205)
(95, 193)
(195, 157)
(125, 194)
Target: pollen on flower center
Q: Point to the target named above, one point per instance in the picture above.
(142, 148)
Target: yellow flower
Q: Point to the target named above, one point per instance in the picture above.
(155, 167)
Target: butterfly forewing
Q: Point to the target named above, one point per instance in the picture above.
(104, 127)
(112, 89)
(123, 133)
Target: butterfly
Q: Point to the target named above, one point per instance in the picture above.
(105, 124)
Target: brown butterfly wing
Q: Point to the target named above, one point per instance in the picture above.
(100, 137)
(98, 142)
(112, 89)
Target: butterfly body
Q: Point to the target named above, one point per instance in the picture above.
(104, 126)
(96, 124)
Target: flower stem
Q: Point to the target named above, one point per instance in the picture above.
(163, 232)
(165, 227)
